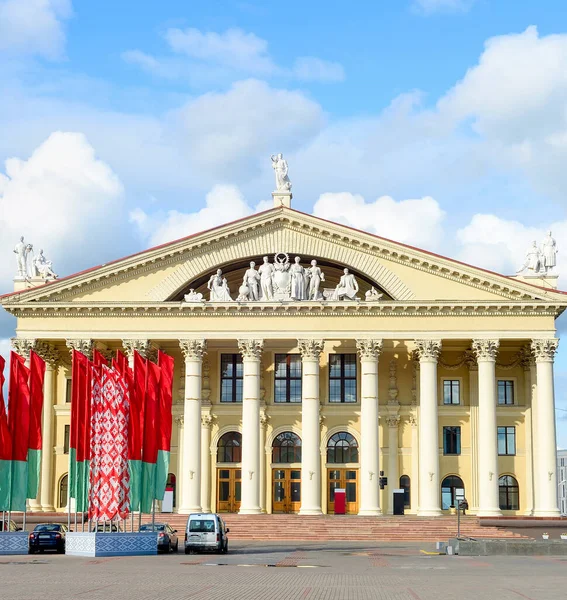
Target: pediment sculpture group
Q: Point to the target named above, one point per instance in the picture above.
(541, 260)
(30, 266)
(283, 281)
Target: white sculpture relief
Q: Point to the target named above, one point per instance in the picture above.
(347, 288)
(252, 282)
(549, 252)
(298, 280)
(193, 296)
(281, 278)
(279, 164)
(20, 251)
(30, 267)
(372, 295)
(315, 277)
(541, 260)
(44, 267)
(266, 271)
(218, 286)
(533, 260)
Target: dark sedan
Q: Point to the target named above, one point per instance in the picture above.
(166, 536)
(48, 536)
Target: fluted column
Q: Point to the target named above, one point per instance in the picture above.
(369, 351)
(206, 424)
(429, 493)
(393, 472)
(488, 500)
(414, 489)
(546, 466)
(310, 428)
(193, 351)
(472, 495)
(264, 419)
(251, 356)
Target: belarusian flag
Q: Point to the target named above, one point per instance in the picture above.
(138, 382)
(79, 442)
(166, 364)
(151, 444)
(5, 446)
(37, 375)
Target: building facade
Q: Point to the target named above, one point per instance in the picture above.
(292, 382)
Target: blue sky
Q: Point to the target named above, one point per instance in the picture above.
(443, 122)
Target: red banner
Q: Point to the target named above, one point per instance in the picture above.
(19, 407)
(37, 375)
(109, 478)
(5, 437)
(166, 364)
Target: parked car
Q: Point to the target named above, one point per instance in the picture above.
(166, 536)
(9, 525)
(206, 532)
(48, 536)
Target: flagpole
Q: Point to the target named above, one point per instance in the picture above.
(24, 520)
(154, 515)
(3, 520)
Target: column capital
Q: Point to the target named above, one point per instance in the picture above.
(251, 349)
(526, 357)
(48, 352)
(485, 350)
(23, 346)
(85, 346)
(393, 420)
(369, 349)
(180, 420)
(193, 349)
(544, 350)
(142, 346)
(207, 420)
(428, 350)
(264, 420)
(310, 349)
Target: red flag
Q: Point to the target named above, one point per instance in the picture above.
(37, 374)
(98, 358)
(151, 414)
(19, 407)
(80, 405)
(166, 364)
(137, 406)
(5, 436)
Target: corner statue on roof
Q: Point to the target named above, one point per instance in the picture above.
(279, 164)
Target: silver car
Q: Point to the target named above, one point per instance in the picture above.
(206, 531)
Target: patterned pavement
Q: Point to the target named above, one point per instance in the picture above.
(261, 571)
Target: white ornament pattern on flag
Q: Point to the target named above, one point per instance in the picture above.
(109, 496)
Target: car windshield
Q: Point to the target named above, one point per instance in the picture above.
(202, 526)
(48, 527)
(156, 527)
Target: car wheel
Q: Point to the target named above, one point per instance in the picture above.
(60, 550)
(32, 551)
(187, 551)
(176, 549)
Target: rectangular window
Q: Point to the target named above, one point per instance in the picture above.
(68, 390)
(451, 440)
(231, 378)
(287, 382)
(506, 441)
(342, 378)
(505, 392)
(66, 439)
(451, 391)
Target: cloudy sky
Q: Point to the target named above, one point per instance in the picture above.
(441, 123)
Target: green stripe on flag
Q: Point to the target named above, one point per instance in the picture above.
(19, 476)
(148, 486)
(162, 471)
(5, 483)
(79, 481)
(135, 467)
(34, 466)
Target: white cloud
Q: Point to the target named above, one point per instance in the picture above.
(416, 222)
(62, 197)
(433, 6)
(224, 203)
(311, 68)
(34, 26)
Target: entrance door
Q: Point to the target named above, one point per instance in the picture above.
(287, 490)
(346, 479)
(228, 490)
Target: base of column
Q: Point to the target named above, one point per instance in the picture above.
(310, 511)
(429, 512)
(489, 512)
(250, 511)
(547, 513)
(188, 510)
(370, 512)
(47, 508)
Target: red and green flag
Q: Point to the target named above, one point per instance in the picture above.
(166, 365)
(5, 446)
(150, 440)
(36, 377)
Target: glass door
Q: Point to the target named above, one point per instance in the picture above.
(346, 479)
(286, 490)
(228, 490)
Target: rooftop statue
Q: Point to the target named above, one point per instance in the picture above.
(266, 271)
(533, 263)
(373, 295)
(315, 276)
(218, 286)
(44, 267)
(20, 251)
(279, 164)
(347, 288)
(252, 281)
(549, 252)
(193, 296)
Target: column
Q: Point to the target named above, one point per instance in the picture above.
(178, 487)
(310, 428)
(429, 492)
(488, 500)
(264, 419)
(251, 356)
(472, 496)
(414, 480)
(369, 351)
(193, 351)
(206, 425)
(393, 472)
(546, 465)
(528, 366)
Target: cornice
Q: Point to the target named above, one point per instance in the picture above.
(289, 309)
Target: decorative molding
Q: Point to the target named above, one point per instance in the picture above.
(207, 420)
(48, 352)
(544, 350)
(193, 349)
(369, 349)
(84, 346)
(310, 349)
(485, 350)
(143, 347)
(264, 419)
(180, 420)
(393, 420)
(251, 349)
(527, 358)
(393, 383)
(412, 419)
(23, 346)
(414, 369)
(428, 350)
(206, 382)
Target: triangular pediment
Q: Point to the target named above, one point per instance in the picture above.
(403, 273)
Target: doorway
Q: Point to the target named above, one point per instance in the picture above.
(229, 487)
(346, 479)
(286, 490)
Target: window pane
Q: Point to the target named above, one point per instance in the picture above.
(281, 365)
(295, 390)
(351, 492)
(280, 390)
(239, 390)
(335, 390)
(350, 365)
(511, 440)
(295, 365)
(446, 392)
(350, 390)
(335, 365)
(226, 368)
(501, 441)
(226, 390)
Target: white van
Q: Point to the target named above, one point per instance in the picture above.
(206, 531)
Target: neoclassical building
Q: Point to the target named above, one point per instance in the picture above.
(296, 378)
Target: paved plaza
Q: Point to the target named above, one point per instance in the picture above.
(293, 572)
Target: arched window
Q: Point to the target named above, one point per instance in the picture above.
(286, 448)
(230, 448)
(342, 448)
(405, 484)
(63, 491)
(509, 493)
(452, 491)
(172, 484)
